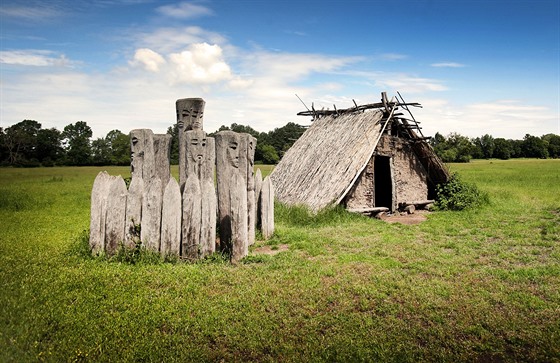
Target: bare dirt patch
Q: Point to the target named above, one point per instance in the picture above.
(270, 250)
(417, 217)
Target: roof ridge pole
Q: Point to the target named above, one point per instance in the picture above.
(370, 155)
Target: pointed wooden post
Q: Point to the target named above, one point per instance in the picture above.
(231, 172)
(133, 218)
(251, 144)
(199, 196)
(162, 155)
(267, 208)
(116, 210)
(99, 193)
(190, 115)
(171, 216)
(142, 154)
(151, 216)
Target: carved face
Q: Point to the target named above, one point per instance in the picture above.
(137, 141)
(233, 153)
(190, 112)
(196, 150)
(251, 152)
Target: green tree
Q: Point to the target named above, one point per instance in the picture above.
(534, 147)
(552, 142)
(266, 154)
(119, 144)
(49, 146)
(483, 147)
(174, 132)
(78, 144)
(20, 142)
(502, 149)
(101, 151)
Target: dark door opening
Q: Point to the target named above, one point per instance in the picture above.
(383, 182)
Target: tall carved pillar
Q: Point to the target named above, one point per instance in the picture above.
(231, 172)
(190, 113)
(199, 196)
(251, 144)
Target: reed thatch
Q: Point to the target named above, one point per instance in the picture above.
(329, 159)
(322, 165)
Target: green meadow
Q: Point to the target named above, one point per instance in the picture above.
(480, 285)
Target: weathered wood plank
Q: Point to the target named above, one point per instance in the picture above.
(133, 210)
(151, 215)
(116, 213)
(267, 208)
(171, 216)
(99, 193)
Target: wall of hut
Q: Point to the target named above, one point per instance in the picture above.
(407, 175)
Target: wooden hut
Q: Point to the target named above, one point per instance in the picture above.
(369, 158)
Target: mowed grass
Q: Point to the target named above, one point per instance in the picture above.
(479, 285)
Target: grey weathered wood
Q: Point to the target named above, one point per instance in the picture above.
(99, 193)
(192, 218)
(209, 201)
(115, 217)
(133, 211)
(151, 215)
(238, 214)
(171, 216)
(200, 166)
(267, 208)
(251, 144)
(208, 219)
(325, 161)
(258, 188)
(162, 155)
(190, 116)
(258, 185)
(142, 154)
(418, 202)
(369, 210)
(231, 173)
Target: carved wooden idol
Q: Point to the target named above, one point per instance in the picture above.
(231, 172)
(190, 113)
(162, 156)
(142, 154)
(199, 196)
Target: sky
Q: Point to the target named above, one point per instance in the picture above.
(476, 66)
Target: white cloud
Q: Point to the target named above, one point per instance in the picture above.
(410, 84)
(448, 65)
(184, 10)
(33, 57)
(168, 39)
(201, 63)
(148, 59)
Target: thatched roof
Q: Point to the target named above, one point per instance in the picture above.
(322, 165)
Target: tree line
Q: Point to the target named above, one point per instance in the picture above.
(27, 144)
(458, 148)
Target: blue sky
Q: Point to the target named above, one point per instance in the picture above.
(477, 67)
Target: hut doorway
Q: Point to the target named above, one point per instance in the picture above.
(383, 181)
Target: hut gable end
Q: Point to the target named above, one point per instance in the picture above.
(367, 158)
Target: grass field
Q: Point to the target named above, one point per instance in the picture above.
(478, 285)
